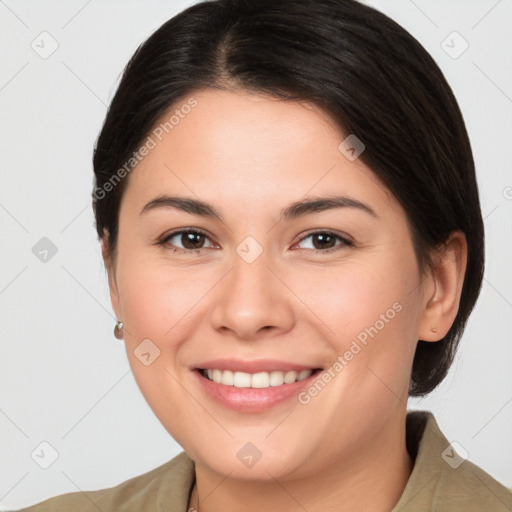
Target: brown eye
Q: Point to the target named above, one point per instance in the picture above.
(190, 240)
(325, 241)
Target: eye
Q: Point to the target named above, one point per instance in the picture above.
(325, 241)
(194, 239)
(191, 239)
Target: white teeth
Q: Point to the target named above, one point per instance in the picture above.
(256, 380)
(260, 380)
(276, 378)
(290, 377)
(217, 376)
(227, 378)
(241, 380)
(304, 374)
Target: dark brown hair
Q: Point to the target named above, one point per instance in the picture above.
(373, 78)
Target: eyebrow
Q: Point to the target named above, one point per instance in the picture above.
(293, 211)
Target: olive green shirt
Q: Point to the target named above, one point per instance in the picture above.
(442, 481)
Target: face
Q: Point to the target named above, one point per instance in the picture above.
(253, 290)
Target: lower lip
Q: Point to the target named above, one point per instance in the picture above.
(252, 399)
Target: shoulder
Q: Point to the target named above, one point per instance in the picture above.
(470, 488)
(443, 478)
(169, 483)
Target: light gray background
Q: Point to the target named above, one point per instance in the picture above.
(64, 378)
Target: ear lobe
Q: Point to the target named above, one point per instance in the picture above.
(111, 271)
(441, 305)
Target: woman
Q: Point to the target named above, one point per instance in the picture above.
(286, 201)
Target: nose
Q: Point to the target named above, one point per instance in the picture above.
(253, 301)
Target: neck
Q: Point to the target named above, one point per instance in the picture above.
(372, 481)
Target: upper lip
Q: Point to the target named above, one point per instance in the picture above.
(252, 366)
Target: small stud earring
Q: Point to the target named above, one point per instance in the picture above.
(434, 329)
(118, 330)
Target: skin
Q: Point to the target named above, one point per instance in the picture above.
(251, 156)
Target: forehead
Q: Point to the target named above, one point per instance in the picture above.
(239, 146)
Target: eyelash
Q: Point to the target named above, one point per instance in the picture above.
(345, 242)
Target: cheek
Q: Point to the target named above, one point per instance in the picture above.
(153, 297)
(352, 298)
(152, 302)
(146, 306)
(368, 316)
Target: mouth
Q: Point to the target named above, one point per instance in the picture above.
(254, 391)
(259, 380)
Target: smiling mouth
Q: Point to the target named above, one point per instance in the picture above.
(256, 380)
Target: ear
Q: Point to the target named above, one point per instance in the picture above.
(443, 288)
(111, 270)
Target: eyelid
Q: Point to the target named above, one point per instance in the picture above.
(163, 239)
(346, 238)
